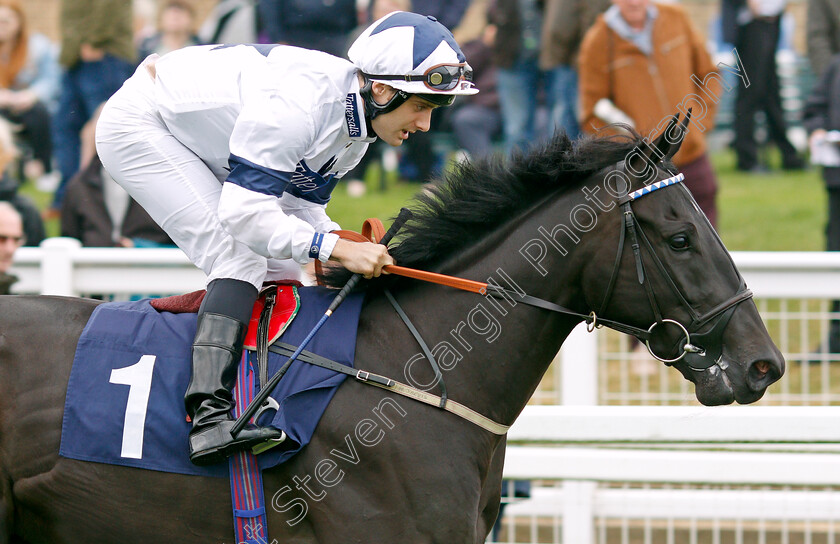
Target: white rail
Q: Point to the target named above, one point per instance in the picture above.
(765, 445)
(697, 424)
(62, 267)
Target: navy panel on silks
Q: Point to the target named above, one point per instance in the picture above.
(125, 398)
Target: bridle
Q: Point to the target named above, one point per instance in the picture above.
(702, 345)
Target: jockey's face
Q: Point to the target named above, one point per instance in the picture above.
(412, 115)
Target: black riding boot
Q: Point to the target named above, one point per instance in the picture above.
(216, 352)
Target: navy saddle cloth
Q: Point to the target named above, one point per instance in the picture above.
(125, 398)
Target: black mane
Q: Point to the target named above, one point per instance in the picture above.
(476, 197)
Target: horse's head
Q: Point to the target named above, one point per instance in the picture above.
(669, 276)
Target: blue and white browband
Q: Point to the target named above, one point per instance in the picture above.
(655, 186)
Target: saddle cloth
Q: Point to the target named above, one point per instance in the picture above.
(125, 397)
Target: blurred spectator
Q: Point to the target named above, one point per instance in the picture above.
(97, 53)
(100, 213)
(324, 25)
(450, 13)
(823, 33)
(419, 161)
(29, 83)
(636, 66)
(231, 21)
(476, 120)
(11, 238)
(821, 117)
(176, 29)
(756, 34)
(535, 51)
(376, 10)
(565, 24)
(33, 225)
(144, 19)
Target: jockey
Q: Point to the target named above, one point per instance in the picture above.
(234, 151)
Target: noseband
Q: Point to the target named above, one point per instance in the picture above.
(700, 350)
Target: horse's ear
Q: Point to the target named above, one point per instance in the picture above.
(677, 139)
(643, 159)
(662, 143)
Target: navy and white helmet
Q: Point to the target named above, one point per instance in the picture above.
(414, 54)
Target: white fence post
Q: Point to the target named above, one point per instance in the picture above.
(579, 367)
(57, 266)
(578, 511)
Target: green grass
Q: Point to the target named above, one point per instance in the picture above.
(351, 212)
(778, 211)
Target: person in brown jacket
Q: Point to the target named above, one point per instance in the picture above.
(642, 62)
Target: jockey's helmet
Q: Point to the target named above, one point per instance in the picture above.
(414, 54)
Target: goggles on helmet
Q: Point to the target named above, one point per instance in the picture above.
(442, 77)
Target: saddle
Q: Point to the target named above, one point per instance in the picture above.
(276, 306)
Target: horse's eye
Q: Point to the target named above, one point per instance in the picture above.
(679, 242)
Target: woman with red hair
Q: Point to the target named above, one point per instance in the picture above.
(29, 84)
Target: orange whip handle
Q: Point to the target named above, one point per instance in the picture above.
(442, 279)
(372, 231)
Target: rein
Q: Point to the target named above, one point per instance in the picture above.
(698, 357)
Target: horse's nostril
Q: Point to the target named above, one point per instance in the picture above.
(762, 373)
(763, 367)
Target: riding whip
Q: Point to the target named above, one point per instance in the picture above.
(260, 398)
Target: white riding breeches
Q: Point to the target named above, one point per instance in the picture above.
(178, 190)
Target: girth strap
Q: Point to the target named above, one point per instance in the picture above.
(391, 385)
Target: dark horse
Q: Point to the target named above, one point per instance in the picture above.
(383, 468)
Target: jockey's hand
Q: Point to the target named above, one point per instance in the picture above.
(365, 258)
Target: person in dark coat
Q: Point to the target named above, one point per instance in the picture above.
(823, 31)
(821, 115)
(99, 213)
(477, 120)
(754, 27)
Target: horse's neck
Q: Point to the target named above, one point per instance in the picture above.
(506, 346)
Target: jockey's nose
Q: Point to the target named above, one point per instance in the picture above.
(424, 121)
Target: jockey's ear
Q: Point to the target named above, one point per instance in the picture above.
(382, 92)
